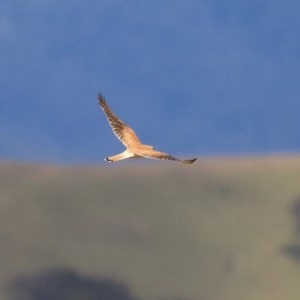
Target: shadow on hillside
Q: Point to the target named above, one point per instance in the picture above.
(292, 251)
(295, 214)
(66, 284)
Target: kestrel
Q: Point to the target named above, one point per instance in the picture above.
(134, 147)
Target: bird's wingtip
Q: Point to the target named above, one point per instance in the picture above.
(189, 161)
(101, 98)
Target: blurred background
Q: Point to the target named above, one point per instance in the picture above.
(214, 79)
(217, 78)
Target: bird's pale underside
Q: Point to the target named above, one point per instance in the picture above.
(134, 147)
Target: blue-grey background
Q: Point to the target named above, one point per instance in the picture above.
(192, 77)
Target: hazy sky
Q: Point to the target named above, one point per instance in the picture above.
(217, 77)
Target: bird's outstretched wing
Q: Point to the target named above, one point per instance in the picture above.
(153, 154)
(122, 131)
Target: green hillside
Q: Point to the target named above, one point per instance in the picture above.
(216, 230)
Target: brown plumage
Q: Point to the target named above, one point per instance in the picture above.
(134, 147)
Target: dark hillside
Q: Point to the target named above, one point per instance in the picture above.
(221, 229)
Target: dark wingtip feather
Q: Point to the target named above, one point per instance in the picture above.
(101, 99)
(189, 161)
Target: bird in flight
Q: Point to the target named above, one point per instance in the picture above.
(134, 147)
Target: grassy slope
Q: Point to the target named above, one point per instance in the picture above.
(213, 231)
